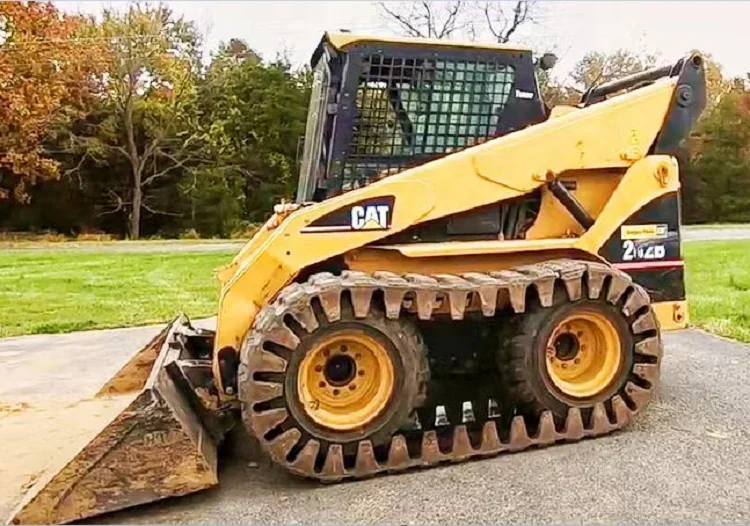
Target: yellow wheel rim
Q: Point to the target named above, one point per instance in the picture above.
(346, 380)
(583, 354)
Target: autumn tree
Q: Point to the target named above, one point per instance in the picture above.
(593, 69)
(48, 67)
(148, 104)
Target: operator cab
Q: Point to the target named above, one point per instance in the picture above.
(380, 105)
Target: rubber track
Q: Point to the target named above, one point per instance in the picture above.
(424, 294)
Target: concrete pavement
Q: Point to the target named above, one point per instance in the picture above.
(698, 233)
(685, 459)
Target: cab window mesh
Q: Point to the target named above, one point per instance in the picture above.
(411, 110)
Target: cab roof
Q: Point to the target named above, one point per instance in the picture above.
(341, 41)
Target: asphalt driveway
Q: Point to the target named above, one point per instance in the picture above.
(685, 460)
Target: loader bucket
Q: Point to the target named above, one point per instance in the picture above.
(155, 447)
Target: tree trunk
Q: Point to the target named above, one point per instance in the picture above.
(135, 215)
(135, 164)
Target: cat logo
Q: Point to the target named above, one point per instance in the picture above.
(370, 217)
(366, 215)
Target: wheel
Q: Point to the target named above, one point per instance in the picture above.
(356, 379)
(573, 354)
(344, 381)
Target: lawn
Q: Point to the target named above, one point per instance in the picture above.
(718, 286)
(51, 291)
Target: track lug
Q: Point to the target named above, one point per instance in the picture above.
(305, 461)
(333, 469)
(461, 444)
(430, 450)
(574, 424)
(639, 395)
(366, 463)
(398, 455)
(490, 441)
(547, 434)
(622, 413)
(282, 444)
(599, 421)
(519, 438)
(263, 422)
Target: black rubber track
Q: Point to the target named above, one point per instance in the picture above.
(269, 345)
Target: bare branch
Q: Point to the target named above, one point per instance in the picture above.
(178, 163)
(77, 169)
(403, 21)
(490, 25)
(160, 212)
(119, 203)
(500, 25)
(449, 26)
(520, 13)
(147, 153)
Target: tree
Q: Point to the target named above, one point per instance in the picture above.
(716, 183)
(149, 93)
(496, 20)
(48, 64)
(592, 69)
(716, 84)
(254, 114)
(597, 68)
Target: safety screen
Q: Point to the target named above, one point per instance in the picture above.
(410, 110)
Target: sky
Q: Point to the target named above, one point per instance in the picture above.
(668, 29)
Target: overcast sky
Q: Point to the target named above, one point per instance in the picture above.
(667, 28)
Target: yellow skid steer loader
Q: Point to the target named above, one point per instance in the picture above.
(464, 273)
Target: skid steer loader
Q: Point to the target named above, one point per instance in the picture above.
(464, 273)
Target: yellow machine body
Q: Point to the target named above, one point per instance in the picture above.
(604, 147)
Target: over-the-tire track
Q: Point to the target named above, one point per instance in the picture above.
(262, 352)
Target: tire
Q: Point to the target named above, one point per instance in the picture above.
(530, 368)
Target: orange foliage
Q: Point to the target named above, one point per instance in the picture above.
(48, 62)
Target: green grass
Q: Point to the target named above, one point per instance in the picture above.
(718, 287)
(61, 291)
(51, 291)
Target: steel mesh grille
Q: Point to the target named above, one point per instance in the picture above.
(410, 110)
